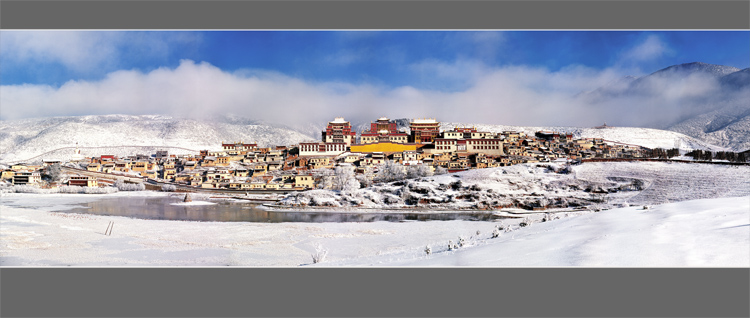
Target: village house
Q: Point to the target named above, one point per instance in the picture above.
(258, 169)
(122, 166)
(83, 181)
(108, 167)
(319, 162)
(208, 161)
(375, 158)
(46, 163)
(7, 174)
(94, 167)
(353, 157)
(26, 177)
(222, 161)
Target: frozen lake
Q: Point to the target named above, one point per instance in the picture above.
(172, 208)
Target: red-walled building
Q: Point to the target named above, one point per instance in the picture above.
(339, 131)
(424, 130)
(383, 130)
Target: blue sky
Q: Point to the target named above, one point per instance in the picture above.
(387, 65)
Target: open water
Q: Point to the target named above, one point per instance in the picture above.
(168, 208)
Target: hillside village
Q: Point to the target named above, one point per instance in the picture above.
(423, 150)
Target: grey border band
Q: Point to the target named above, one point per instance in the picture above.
(377, 292)
(284, 15)
(473, 292)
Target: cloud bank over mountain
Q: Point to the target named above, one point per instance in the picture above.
(515, 95)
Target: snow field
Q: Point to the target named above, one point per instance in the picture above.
(698, 233)
(33, 236)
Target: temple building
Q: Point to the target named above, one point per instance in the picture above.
(467, 140)
(424, 130)
(383, 130)
(322, 148)
(339, 131)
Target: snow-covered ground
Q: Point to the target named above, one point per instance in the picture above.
(603, 184)
(697, 233)
(699, 216)
(708, 232)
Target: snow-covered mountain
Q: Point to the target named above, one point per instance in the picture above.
(55, 137)
(705, 101)
(28, 138)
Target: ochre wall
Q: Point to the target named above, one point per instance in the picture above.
(384, 147)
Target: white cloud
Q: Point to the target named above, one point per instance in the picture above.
(510, 95)
(85, 51)
(651, 48)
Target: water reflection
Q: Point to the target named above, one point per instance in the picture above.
(162, 208)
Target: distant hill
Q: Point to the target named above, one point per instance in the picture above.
(27, 138)
(646, 137)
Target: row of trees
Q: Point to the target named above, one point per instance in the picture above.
(700, 155)
(719, 155)
(664, 154)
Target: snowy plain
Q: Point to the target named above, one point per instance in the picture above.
(703, 221)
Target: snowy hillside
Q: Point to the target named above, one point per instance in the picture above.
(727, 127)
(704, 101)
(599, 185)
(27, 138)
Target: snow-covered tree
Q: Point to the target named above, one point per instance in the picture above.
(365, 179)
(418, 171)
(344, 179)
(440, 170)
(52, 173)
(325, 178)
(390, 171)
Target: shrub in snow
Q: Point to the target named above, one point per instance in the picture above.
(451, 246)
(428, 250)
(456, 185)
(86, 190)
(29, 189)
(496, 233)
(319, 255)
(168, 188)
(546, 217)
(461, 241)
(525, 222)
(125, 186)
